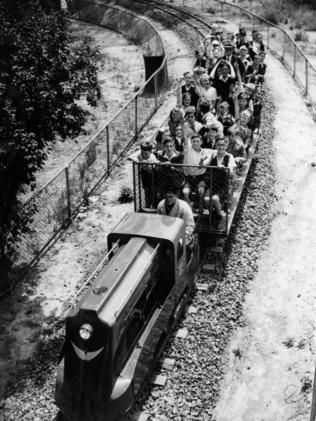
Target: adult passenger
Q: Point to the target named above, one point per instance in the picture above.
(172, 206)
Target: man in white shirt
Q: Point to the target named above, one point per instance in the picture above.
(172, 206)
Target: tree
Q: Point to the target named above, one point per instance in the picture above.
(40, 82)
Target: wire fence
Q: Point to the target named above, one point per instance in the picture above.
(58, 201)
(150, 181)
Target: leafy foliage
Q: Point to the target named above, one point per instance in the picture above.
(40, 83)
(126, 194)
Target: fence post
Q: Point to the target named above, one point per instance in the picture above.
(156, 91)
(136, 118)
(99, 14)
(306, 77)
(107, 148)
(68, 195)
(268, 37)
(283, 47)
(222, 9)
(134, 185)
(294, 62)
(313, 408)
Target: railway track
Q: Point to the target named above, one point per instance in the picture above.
(202, 28)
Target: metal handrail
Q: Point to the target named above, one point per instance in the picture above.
(72, 299)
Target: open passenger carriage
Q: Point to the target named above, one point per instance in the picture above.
(149, 181)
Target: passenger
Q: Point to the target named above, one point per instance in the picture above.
(256, 71)
(234, 60)
(236, 147)
(257, 107)
(179, 139)
(189, 87)
(194, 156)
(169, 156)
(201, 59)
(221, 159)
(245, 58)
(162, 134)
(172, 206)
(197, 72)
(256, 45)
(206, 91)
(185, 104)
(191, 126)
(244, 132)
(241, 39)
(210, 134)
(223, 82)
(225, 117)
(215, 51)
(205, 116)
(147, 172)
(175, 118)
(243, 104)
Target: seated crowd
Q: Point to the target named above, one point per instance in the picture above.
(218, 110)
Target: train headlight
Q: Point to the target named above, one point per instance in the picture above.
(85, 331)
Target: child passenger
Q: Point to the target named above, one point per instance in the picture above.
(145, 155)
(194, 156)
(220, 159)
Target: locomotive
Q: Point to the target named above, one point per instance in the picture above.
(121, 324)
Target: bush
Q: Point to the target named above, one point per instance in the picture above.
(272, 17)
(211, 11)
(126, 194)
(301, 36)
(41, 81)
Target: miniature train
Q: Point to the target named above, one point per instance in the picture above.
(120, 326)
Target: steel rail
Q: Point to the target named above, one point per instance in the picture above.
(167, 8)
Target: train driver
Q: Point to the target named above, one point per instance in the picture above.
(172, 206)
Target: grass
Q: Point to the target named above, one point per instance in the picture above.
(301, 36)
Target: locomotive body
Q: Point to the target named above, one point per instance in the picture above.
(120, 325)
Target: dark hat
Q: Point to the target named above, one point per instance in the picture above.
(146, 146)
(204, 103)
(170, 188)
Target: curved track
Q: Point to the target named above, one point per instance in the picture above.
(202, 27)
